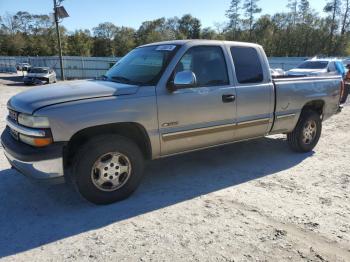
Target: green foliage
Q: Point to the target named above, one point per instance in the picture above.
(298, 32)
(251, 8)
(190, 27)
(124, 40)
(233, 14)
(79, 43)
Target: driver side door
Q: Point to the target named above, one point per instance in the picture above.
(200, 116)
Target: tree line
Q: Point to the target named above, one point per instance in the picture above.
(300, 31)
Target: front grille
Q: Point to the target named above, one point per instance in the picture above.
(14, 134)
(13, 115)
(42, 78)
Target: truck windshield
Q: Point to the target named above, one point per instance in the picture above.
(142, 66)
(38, 70)
(313, 65)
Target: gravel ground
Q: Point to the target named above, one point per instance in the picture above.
(251, 201)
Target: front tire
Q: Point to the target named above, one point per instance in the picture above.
(307, 133)
(108, 169)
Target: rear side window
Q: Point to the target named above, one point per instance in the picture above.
(247, 64)
(208, 63)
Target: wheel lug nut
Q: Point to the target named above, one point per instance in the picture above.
(112, 165)
(106, 168)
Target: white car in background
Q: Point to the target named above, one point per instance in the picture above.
(40, 76)
(23, 66)
(346, 61)
(316, 67)
(277, 72)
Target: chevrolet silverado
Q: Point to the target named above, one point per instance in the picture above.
(161, 99)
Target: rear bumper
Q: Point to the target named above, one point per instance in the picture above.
(44, 164)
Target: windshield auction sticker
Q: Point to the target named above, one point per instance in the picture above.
(166, 47)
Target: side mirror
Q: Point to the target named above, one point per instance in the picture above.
(184, 79)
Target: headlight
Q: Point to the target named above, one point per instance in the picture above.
(33, 121)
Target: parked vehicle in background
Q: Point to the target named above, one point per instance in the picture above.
(317, 67)
(23, 66)
(347, 84)
(346, 61)
(277, 72)
(161, 99)
(39, 76)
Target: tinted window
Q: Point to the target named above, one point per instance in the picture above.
(208, 64)
(247, 64)
(332, 67)
(38, 70)
(313, 65)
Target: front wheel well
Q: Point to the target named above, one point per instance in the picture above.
(133, 131)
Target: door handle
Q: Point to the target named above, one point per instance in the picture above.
(228, 98)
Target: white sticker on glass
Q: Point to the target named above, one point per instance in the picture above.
(166, 47)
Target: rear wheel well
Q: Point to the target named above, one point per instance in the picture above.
(316, 106)
(133, 131)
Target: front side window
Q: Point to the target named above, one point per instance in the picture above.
(207, 63)
(142, 66)
(38, 70)
(247, 65)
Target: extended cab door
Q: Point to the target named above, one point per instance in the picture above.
(203, 115)
(255, 92)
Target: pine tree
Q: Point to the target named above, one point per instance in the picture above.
(251, 8)
(233, 14)
(346, 18)
(293, 6)
(333, 8)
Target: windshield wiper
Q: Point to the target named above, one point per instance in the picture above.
(124, 80)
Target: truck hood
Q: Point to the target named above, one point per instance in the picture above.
(31, 100)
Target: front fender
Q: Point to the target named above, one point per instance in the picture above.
(69, 118)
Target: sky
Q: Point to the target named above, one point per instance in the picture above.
(86, 14)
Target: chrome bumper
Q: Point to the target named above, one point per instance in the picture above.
(51, 169)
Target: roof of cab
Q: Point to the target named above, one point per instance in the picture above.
(202, 42)
(41, 67)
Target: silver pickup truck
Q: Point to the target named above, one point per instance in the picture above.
(160, 100)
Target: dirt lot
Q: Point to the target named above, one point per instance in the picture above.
(252, 201)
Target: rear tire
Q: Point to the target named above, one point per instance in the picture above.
(108, 169)
(307, 133)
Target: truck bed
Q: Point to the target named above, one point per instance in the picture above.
(293, 93)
